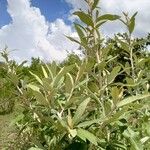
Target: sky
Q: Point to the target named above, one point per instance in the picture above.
(37, 28)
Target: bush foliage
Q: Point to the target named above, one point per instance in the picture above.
(98, 103)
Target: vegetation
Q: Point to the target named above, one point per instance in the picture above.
(100, 102)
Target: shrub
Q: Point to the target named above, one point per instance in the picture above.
(85, 105)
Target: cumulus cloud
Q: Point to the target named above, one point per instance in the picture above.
(117, 7)
(32, 36)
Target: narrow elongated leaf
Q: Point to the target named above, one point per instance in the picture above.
(50, 72)
(89, 123)
(95, 4)
(113, 74)
(99, 24)
(132, 23)
(35, 148)
(84, 18)
(33, 87)
(69, 83)
(40, 98)
(81, 71)
(84, 134)
(131, 136)
(44, 72)
(37, 78)
(80, 111)
(109, 17)
(80, 33)
(132, 99)
(61, 74)
(73, 39)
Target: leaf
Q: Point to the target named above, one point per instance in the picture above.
(84, 134)
(40, 98)
(89, 123)
(34, 148)
(116, 94)
(95, 4)
(113, 74)
(33, 87)
(69, 83)
(44, 72)
(82, 68)
(73, 132)
(131, 136)
(84, 18)
(61, 74)
(36, 77)
(132, 99)
(49, 70)
(93, 87)
(80, 33)
(80, 111)
(73, 39)
(99, 24)
(132, 23)
(109, 17)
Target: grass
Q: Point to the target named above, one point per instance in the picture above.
(8, 131)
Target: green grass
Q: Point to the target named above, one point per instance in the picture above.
(8, 131)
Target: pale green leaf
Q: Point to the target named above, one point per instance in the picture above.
(132, 23)
(37, 78)
(80, 111)
(95, 4)
(84, 18)
(131, 99)
(33, 87)
(109, 17)
(44, 72)
(84, 134)
(69, 83)
(113, 74)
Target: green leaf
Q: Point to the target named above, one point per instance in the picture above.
(99, 24)
(116, 94)
(132, 23)
(84, 18)
(73, 40)
(80, 111)
(131, 136)
(80, 33)
(113, 74)
(82, 68)
(73, 132)
(132, 99)
(34, 148)
(36, 77)
(44, 72)
(95, 4)
(93, 87)
(69, 83)
(49, 70)
(33, 87)
(89, 123)
(61, 74)
(84, 134)
(40, 98)
(109, 17)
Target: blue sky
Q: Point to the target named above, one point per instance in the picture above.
(4, 16)
(36, 28)
(51, 9)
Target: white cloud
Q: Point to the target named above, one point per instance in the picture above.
(32, 35)
(117, 7)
